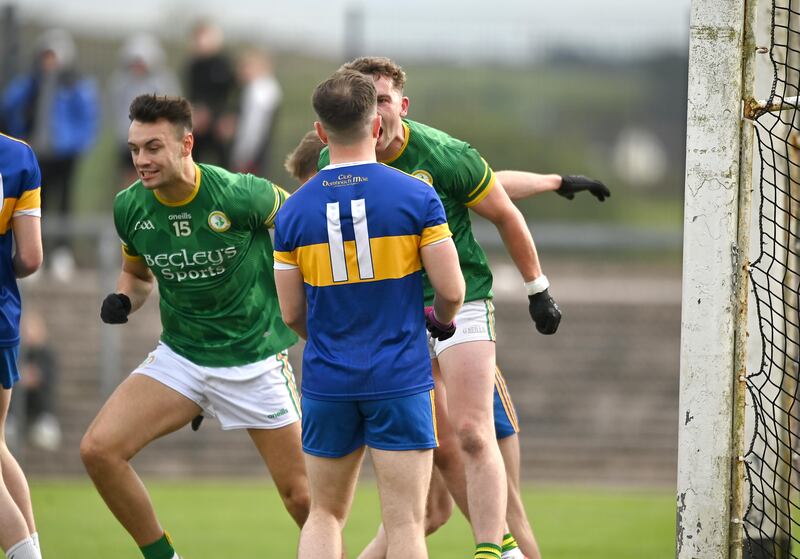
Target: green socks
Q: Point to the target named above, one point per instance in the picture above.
(509, 543)
(159, 549)
(487, 551)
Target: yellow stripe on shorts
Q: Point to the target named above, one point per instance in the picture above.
(505, 398)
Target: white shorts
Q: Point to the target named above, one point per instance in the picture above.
(474, 322)
(260, 395)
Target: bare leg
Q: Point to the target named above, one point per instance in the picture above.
(403, 481)
(439, 507)
(282, 452)
(517, 519)
(447, 456)
(139, 411)
(332, 482)
(438, 510)
(14, 527)
(468, 372)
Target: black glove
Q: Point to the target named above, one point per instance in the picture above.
(438, 330)
(116, 308)
(544, 312)
(198, 419)
(571, 184)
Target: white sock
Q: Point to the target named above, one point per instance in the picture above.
(515, 553)
(24, 549)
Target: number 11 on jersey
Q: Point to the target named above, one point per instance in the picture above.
(358, 209)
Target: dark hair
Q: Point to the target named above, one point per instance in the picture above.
(302, 162)
(378, 66)
(345, 103)
(152, 108)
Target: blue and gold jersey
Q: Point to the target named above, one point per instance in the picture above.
(355, 232)
(462, 179)
(20, 194)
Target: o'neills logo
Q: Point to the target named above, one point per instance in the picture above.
(423, 175)
(346, 179)
(184, 265)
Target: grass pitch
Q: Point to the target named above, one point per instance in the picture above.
(245, 519)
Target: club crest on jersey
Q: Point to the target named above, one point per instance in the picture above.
(424, 176)
(218, 221)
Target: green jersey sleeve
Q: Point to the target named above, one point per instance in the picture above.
(267, 198)
(122, 224)
(473, 179)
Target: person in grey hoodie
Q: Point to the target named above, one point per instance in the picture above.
(142, 70)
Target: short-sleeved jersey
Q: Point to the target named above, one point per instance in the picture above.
(355, 233)
(462, 179)
(20, 194)
(212, 257)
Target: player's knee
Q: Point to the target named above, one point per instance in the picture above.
(297, 501)
(96, 453)
(92, 451)
(473, 440)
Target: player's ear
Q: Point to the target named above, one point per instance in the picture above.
(404, 102)
(376, 126)
(187, 144)
(321, 132)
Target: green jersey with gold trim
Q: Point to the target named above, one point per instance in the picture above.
(462, 179)
(212, 257)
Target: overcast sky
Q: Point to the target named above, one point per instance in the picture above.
(510, 28)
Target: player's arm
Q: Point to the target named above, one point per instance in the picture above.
(521, 184)
(498, 208)
(292, 299)
(28, 239)
(444, 272)
(134, 285)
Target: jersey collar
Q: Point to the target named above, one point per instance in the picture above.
(351, 164)
(191, 195)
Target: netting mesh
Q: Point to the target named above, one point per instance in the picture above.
(773, 414)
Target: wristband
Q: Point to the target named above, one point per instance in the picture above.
(537, 286)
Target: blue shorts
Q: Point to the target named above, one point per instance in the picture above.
(9, 373)
(333, 429)
(505, 416)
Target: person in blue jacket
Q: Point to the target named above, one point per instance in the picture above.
(56, 110)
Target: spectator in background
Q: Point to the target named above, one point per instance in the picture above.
(34, 404)
(210, 87)
(56, 110)
(258, 107)
(141, 70)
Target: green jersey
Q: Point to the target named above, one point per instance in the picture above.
(462, 179)
(212, 257)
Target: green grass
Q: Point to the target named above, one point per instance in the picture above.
(240, 519)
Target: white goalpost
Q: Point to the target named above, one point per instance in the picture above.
(740, 317)
(718, 148)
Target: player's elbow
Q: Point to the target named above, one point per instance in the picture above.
(452, 292)
(293, 321)
(293, 316)
(27, 261)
